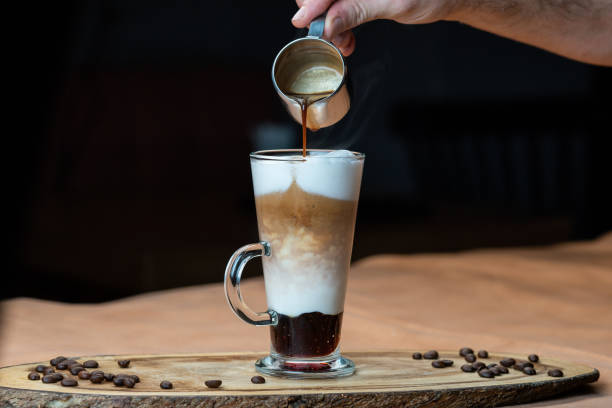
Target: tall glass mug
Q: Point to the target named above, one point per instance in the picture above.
(306, 210)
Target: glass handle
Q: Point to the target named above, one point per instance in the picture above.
(233, 273)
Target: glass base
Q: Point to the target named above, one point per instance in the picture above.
(331, 366)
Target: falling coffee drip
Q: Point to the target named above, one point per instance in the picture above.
(305, 100)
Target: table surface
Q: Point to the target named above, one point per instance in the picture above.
(554, 301)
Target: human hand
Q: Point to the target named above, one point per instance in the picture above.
(343, 15)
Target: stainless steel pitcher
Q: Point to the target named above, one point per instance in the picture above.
(312, 66)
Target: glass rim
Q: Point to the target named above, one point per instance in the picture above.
(290, 154)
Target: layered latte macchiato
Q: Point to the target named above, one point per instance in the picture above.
(306, 211)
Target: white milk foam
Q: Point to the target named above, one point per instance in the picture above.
(299, 280)
(337, 178)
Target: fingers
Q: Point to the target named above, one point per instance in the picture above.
(346, 14)
(345, 42)
(309, 10)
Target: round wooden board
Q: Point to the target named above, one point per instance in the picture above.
(382, 379)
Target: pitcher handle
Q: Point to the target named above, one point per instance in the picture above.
(317, 26)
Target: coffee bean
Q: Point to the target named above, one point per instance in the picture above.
(495, 370)
(34, 376)
(96, 379)
(502, 369)
(109, 377)
(128, 382)
(124, 363)
(417, 356)
(165, 385)
(486, 373)
(468, 368)
(465, 351)
(555, 372)
(66, 364)
(438, 364)
(521, 365)
(84, 375)
(483, 354)
(448, 363)
(97, 372)
(470, 358)
(529, 370)
(76, 369)
(69, 382)
(135, 378)
(57, 360)
(533, 358)
(431, 355)
(491, 365)
(50, 378)
(213, 383)
(48, 370)
(258, 379)
(40, 368)
(507, 362)
(479, 365)
(119, 381)
(90, 364)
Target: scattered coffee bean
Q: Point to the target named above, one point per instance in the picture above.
(90, 364)
(417, 356)
(48, 370)
(495, 370)
(34, 376)
(84, 375)
(56, 360)
(124, 363)
(97, 372)
(66, 364)
(69, 382)
(258, 379)
(96, 379)
(486, 373)
(438, 364)
(109, 377)
(40, 368)
(431, 355)
(483, 354)
(479, 365)
(135, 378)
(128, 382)
(507, 362)
(529, 370)
(465, 351)
(119, 381)
(522, 364)
(491, 365)
(468, 368)
(213, 383)
(165, 385)
(533, 358)
(448, 363)
(76, 369)
(555, 372)
(470, 358)
(51, 378)
(502, 369)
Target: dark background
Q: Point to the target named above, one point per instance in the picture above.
(130, 170)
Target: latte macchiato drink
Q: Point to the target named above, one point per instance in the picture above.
(306, 208)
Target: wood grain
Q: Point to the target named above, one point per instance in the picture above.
(382, 379)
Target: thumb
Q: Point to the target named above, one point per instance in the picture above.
(346, 14)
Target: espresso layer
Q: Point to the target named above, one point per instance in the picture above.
(307, 335)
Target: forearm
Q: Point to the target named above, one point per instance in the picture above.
(578, 29)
